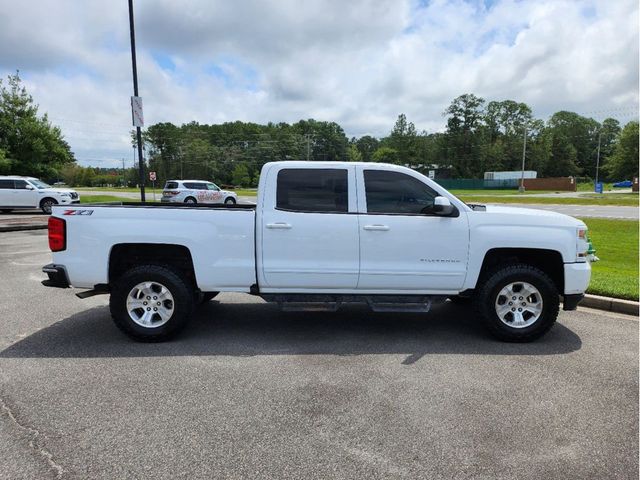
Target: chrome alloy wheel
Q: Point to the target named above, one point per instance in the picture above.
(519, 305)
(150, 304)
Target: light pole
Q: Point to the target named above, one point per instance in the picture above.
(598, 162)
(135, 93)
(524, 153)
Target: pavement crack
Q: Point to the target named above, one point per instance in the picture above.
(35, 442)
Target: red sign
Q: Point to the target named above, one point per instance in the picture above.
(152, 176)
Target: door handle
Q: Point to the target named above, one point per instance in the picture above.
(382, 228)
(279, 226)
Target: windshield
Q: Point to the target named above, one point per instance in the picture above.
(39, 184)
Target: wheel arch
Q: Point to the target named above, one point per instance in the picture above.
(53, 199)
(549, 261)
(124, 256)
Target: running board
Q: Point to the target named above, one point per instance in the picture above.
(331, 303)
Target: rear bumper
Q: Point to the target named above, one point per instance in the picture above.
(57, 276)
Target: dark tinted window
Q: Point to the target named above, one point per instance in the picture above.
(394, 192)
(20, 184)
(171, 185)
(195, 186)
(313, 190)
(6, 184)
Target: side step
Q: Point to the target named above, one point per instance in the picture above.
(331, 303)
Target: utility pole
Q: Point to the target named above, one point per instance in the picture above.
(308, 145)
(135, 93)
(124, 174)
(598, 161)
(524, 153)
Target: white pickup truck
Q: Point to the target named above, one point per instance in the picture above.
(323, 234)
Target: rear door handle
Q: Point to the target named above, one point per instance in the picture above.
(382, 228)
(279, 226)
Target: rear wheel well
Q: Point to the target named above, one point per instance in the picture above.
(126, 256)
(549, 261)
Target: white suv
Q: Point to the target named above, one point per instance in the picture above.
(28, 192)
(196, 191)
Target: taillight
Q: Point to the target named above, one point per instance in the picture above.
(167, 193)
(57, 234)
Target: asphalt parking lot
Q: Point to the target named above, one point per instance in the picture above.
(250, 392)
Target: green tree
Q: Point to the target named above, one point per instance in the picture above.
(386, 155)
(241, 175)
(353, 154)
(33, 145)
(623, 163)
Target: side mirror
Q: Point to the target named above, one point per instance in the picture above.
(29, 187)
(442, 206)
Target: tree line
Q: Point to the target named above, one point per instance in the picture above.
(479, 136)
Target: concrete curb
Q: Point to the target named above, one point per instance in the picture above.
(21, 228)
(611, 304)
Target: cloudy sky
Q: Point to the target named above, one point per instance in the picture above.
(359, 62)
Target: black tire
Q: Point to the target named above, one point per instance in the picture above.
(6, 210)
(208, 296)
(190, 200)
(182, 304)
(487, 294)
(230, 201)
(46, 204)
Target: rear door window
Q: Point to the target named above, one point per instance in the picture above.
(313, 190)
(6, 184)
(195, 186)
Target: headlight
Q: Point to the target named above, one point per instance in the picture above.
(582, 244)
(65, 195)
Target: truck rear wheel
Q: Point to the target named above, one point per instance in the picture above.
(151, 303)
(518, 302)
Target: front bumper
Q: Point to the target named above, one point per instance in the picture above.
(57, 276)
(570, 302)
(576, 277)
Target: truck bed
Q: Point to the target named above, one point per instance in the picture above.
(220, 239)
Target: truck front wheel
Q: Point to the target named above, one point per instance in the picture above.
(151, 303)
(518, 302)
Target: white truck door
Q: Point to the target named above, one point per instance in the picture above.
(402, 245)
(309, 229)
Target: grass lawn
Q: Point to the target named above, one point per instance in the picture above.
(616, 243)
(105, 198)
(630, 200)
(111, 189)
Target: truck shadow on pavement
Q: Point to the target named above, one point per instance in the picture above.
(252, 329)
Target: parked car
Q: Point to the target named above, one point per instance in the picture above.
(196, 191)
(323, 234)
(28, 192)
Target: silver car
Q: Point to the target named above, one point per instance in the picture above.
(196, 191)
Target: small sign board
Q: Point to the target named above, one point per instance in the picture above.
(136, 112)
(432, 174)
(152, 176)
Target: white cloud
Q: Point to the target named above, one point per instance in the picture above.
(358, 63)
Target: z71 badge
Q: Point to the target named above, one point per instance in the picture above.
(78, 212)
